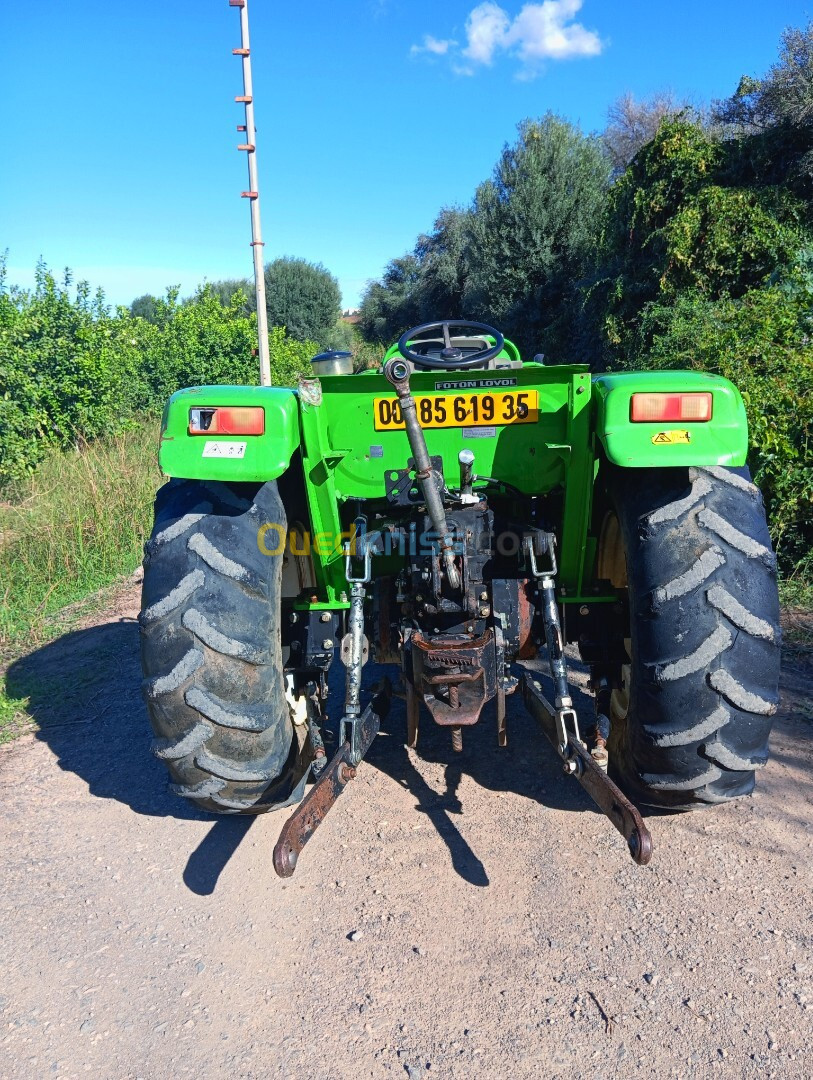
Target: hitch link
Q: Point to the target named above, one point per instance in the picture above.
(355, 661)
(330, 784)
(567, 723)
(356, 729)
(582, 767)
(559, 721)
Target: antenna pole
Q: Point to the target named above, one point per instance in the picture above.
(253, 194)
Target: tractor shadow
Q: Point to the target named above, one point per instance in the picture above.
(528, 766)
(84, 693)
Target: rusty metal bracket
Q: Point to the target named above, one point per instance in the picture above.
(333, 779)
(466, 666)
(578, 763)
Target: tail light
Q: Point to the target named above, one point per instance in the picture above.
(236, 420)
(654, 408)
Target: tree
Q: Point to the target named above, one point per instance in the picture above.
(514, 258)
(443, 259)
(532, 233)
(632, 124)
(224, 290)
(391, 306)
(771, 118)
(303, 297)
(145, 307)
(784, 95)
(423, 286)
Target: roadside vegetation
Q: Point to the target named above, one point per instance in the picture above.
(81, 391)
(77, 525)
(72, 370)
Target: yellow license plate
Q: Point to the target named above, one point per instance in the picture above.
(461, 410)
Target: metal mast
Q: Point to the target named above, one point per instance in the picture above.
(253, 194)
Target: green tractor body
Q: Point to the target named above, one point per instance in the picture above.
(627, 489)
(349, 444)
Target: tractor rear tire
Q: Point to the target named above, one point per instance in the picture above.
(691, 725)
(211, 650)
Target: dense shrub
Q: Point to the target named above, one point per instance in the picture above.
(705, 264)
(71, 370)
(672, 225)
(761, 342)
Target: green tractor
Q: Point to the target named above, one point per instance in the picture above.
(455, 511)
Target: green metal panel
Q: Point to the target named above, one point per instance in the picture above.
(345, 458)
(265, 457)
(532, 457)
(579, 482)
(723, 440)
(319, 462)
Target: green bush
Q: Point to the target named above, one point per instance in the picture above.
(761, 342)
(72, 371)
(706, 264)
(730, 240)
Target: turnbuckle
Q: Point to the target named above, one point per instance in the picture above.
(567, 723)
(354, 647)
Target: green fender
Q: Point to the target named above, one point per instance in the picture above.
(236, 458)
(723, 440)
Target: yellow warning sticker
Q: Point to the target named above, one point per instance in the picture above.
(672, 437)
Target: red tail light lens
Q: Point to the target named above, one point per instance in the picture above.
(237, 420)
(654, 408)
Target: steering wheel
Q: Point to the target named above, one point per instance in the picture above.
(451, 358)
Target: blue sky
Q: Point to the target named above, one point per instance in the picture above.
(119, 152)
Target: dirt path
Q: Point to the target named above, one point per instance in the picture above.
(505, 932)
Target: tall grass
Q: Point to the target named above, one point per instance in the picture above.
(71, 528)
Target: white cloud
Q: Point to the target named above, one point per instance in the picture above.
(433, 45)
(545, 32)
(539, 32)
(486, 30)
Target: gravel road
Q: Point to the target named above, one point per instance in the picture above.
(457, 916)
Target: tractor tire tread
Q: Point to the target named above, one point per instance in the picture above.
(705, 644)
(211, 649)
